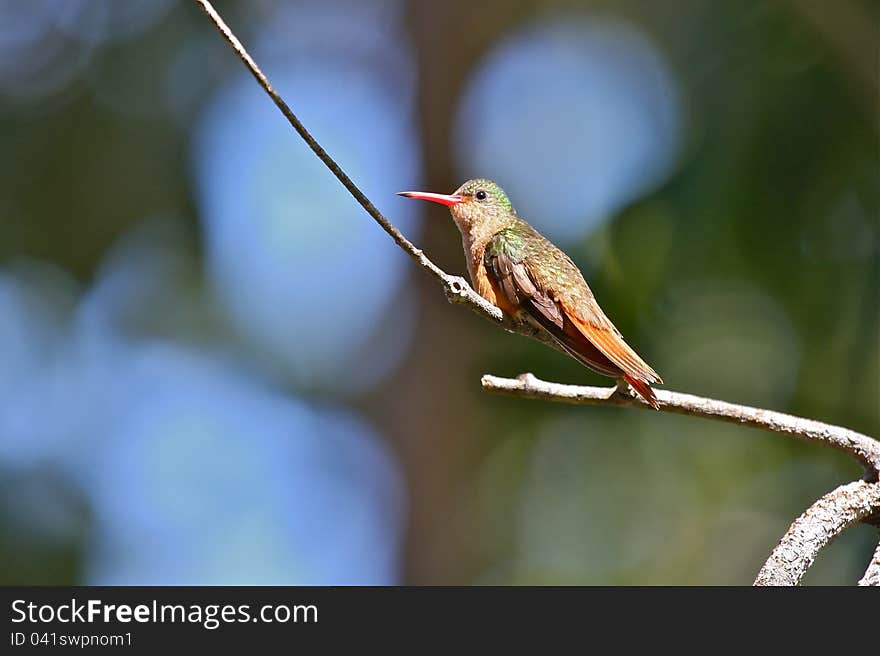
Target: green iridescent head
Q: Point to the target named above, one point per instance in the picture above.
(485, 195)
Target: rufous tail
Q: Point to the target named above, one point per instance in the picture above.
(644, 390)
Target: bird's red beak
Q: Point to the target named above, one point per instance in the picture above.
(443, 199)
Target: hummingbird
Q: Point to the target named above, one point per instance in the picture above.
(517, 269)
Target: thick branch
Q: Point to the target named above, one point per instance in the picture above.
(872, 574)
(819, 525)
(865, 449)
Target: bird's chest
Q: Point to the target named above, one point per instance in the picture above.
(481, 280)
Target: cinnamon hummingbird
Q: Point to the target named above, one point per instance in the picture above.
(517, 269)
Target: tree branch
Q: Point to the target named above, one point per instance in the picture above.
(872, 574)
(819, 525)
(865, 449)
(457, 290)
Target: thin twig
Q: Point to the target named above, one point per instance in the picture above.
(819, 525)
(456, 288)
(865, 449)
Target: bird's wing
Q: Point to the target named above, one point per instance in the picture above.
(516, 278)
(574, 318)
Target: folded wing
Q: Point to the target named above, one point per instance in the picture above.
(571, 315)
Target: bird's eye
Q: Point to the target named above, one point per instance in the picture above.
(481, 195)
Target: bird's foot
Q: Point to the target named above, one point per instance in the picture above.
(623, 389)
(527, 379)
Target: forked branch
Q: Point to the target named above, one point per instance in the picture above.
(820, 524)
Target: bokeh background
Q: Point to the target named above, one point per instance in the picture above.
(216, 369)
